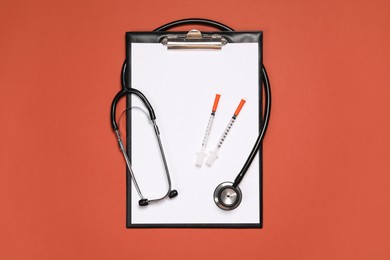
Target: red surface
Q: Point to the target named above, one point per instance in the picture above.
(326, 154)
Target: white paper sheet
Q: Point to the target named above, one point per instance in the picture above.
(181, 86)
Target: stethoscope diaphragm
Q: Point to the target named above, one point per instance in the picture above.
(226, 196)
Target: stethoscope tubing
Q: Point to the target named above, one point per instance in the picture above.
(256, 147)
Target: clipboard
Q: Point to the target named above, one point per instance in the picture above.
(180, 73)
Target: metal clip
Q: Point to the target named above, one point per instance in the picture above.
(194, 40)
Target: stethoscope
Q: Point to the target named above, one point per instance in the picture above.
(127, 92)
(227, 195)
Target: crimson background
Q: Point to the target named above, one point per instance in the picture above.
(326, 154)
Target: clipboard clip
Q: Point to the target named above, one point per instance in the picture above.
(194, 39)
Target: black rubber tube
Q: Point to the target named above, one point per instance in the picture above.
(260, 138)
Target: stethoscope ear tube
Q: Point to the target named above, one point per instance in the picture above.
(125, 92)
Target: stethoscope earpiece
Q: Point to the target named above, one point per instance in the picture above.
(145, 202)
(172, 194)
(226, 196)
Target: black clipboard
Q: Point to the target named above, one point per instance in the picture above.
(187, 42)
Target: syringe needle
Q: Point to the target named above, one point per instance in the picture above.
(202, 154)
(213, 155)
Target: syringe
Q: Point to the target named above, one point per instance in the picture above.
(202, 154)
(213, 155)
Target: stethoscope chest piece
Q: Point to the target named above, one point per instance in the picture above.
(226, 196)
